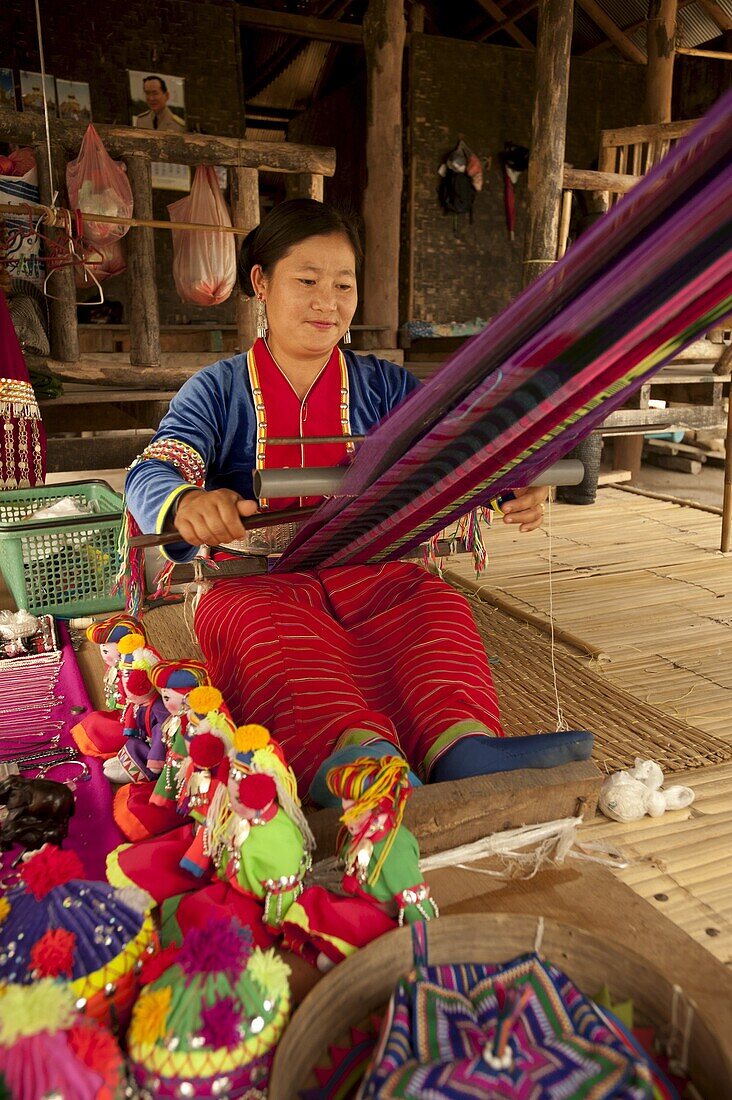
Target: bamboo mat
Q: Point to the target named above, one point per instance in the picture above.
(624, 727)
(640, 579)
(680, 862)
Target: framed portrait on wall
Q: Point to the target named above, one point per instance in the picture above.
(158, 103)
(7, 89)
(31, 92)
(74, 101)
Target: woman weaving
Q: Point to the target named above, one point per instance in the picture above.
(330, 660)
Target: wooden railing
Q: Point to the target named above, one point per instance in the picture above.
(634, 150)
(306, 165)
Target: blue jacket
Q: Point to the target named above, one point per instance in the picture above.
(214, 414)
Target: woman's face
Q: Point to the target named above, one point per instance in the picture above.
(310, 296)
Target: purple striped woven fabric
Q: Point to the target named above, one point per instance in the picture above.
(649, 278)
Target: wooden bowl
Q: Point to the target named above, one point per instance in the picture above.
(364, 982)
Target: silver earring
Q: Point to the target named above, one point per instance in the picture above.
(261, 319)
(347, 336)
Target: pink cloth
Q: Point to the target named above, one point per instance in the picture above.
(92, 830)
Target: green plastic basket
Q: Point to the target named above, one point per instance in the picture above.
(66, 566)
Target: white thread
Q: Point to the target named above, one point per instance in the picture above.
(539, 937)
(561, 720)
(54, 193)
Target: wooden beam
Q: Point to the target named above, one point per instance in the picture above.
(517, 35)
(629, 29)
(245, 213)
(506, 22)
(720, 17)
(27, 128)
(618, 38)
(141, 272)
(304, 186)
(721, 55)
(444, 815)
(632, 135)
(580, 179)
(548, 135)
(384, 38)
(304, 26)
(661, 39)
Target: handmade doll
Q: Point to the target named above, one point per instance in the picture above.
(381, 859)
(142, 717)
(57, 924)
(207, 1025)
(150, 808)
(202, 774)
(260, 857)
(99, 733)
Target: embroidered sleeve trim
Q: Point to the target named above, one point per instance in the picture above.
(182, 456)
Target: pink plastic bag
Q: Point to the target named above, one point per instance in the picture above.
(204, 264)
(99, 185)
(104, 260)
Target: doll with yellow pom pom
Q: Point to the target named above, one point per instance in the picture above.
(99, 733)
(382, 884)
(151, 808)
(143, 716)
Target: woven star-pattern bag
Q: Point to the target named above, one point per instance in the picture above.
(520, 1029)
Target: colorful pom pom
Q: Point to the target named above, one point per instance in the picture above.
(220, 1024)
(206, 750)
(46, 1005)
(149, 1016)
(269, 971)
(96, 1048)
(4, 909)
(222, 947)
(138, 682)
(53, 954)
(250, 738)
(48, 868)
(203, 699)
(130, 643)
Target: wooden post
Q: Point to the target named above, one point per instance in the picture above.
(245, 213)
(64, 335)
(727, 498)
(548, 134)
(304, 185)
(661, 32)
(384, 34)
(416, 19)
(144, 315)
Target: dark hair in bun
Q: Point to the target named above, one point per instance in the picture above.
(285, 226)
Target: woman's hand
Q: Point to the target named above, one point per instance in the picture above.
(528, 507)
(212, 518)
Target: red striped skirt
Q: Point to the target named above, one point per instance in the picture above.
(390, 651)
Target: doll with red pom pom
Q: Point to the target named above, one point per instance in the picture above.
(142, 718)
(99, 734)
(151, 808)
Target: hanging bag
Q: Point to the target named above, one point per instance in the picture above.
(204, 264)
(99, 185)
